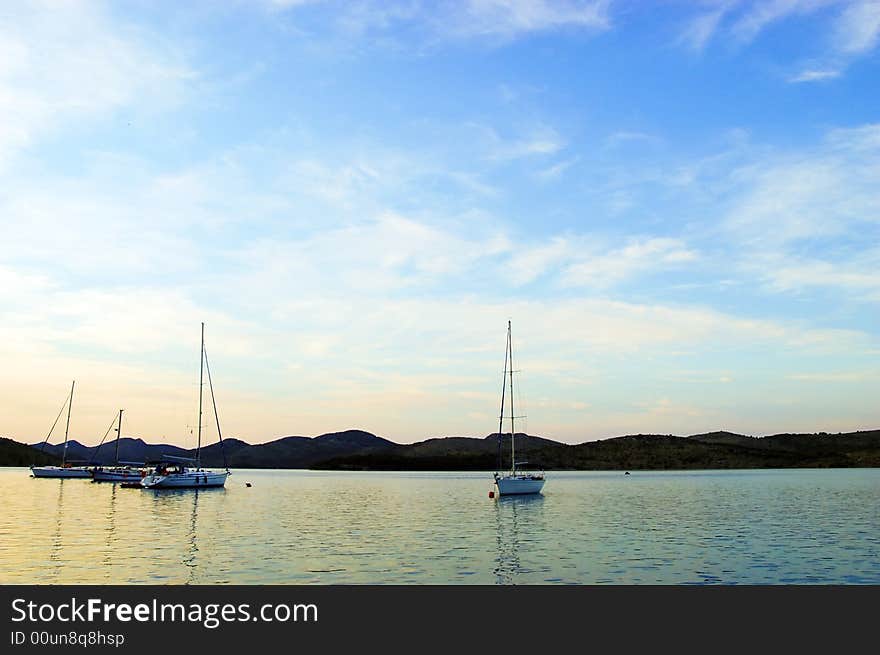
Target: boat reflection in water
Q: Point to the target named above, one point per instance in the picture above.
(170, 505)
(190, 559)
(57, 536)
(111, 537)
(514, 518)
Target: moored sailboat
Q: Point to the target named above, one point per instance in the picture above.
(187, 473)
(122, 471)
(65, 470)
(515, 481)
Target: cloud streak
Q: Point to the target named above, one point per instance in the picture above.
(811, 75)
(853, 26)
(858, 28)
(70, 63)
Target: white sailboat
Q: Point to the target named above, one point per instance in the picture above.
(65, 470)
(515, 481)
(187, 473)
(122, 471)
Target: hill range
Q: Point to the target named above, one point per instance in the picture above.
(362, 451)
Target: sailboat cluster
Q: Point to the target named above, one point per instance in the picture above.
(168, 473)
(178, 473)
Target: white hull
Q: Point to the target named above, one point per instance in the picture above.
(517, 485)
(60, 472)
(117, 475)
(190, 479)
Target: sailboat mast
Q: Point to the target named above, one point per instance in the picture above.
(67, 427)
(118, 434)
(501, 414)
(201, 384)
(512, 431)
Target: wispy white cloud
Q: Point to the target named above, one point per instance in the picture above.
(861, 140)
(531, 263)
(287, 4)
(854, 29)
(825, 192)
(493, 21)
(806, 220)
(629, 136)
(579, 260)
(858, 278)
(700, 29)
(70, 62)
(386, 253)
(812, 75)
(833, 377)
(854, 34)
(858, 27)
(541, 140)
(760, 15)
(637, 257)
(558, 169)
(512, 18)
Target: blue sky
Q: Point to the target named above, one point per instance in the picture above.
(676, 203)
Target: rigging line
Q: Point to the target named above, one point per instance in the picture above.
(216, 416)
(60, 412)
(521, 403)
(501, 414)
(95, 449)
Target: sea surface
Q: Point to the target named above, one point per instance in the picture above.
(803, 526)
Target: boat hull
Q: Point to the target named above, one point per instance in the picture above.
(187, 480)
(517, 486)
(60, 472)
(117, 475)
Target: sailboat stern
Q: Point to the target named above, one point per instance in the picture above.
(513, 485)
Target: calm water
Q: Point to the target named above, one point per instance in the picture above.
(768, 526)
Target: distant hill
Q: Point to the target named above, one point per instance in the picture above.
(287, 452)
(13, 453)
(446, 453)
(729, 439)
(717, 450)
(296, 452)
(359, 450)
(130, 450)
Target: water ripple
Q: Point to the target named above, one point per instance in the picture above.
(704, 528)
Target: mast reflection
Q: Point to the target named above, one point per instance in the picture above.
(56, 546)
(512, 516)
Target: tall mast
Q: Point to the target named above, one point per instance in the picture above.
(501, 415)
(201, 384)
(512, 431)
(67, 427)
(118, 434)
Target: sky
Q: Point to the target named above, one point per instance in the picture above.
(676, 204)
